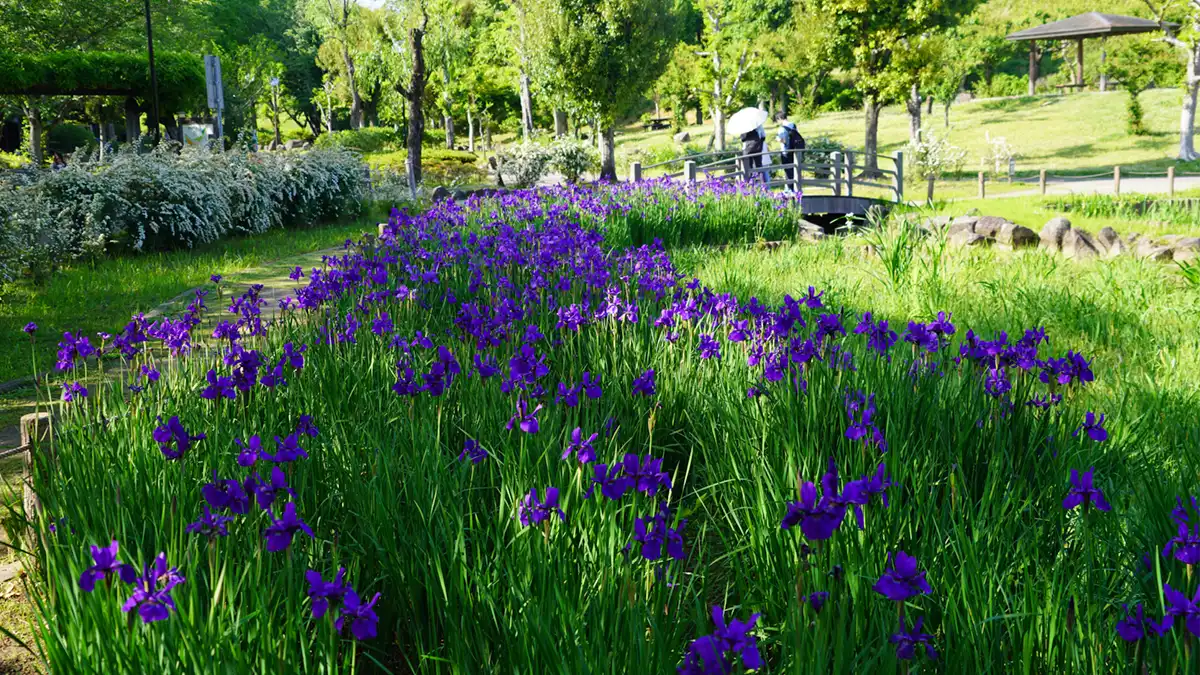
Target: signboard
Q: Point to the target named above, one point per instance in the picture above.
(212, 78)
(196, 134)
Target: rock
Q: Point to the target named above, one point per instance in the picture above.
(1186, 250)
(682, 137)
(1016, 236)
(440, 193)
(1079, 245)
(1111, 244)
(459, 196)
(1148, 248)
(936, 223)
(1053, 232)
(989, 226)
(961, 224)
(294, 144)
(965, 239)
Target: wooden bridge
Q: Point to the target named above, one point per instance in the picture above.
(827, 180)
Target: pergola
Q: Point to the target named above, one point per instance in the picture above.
(1080, 28)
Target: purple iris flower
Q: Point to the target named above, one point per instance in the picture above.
(612, 481)
(209, 524)
(216, 278)
(879, 337)
(173, 440)
(473, 451)
(524, 418)
(294, 356)
(30, 328)
(860, 408)
(568, 396)
(583, 449)
(907, 641)
(226, 494)
(1178, 605)
(296, 274)
(813, 299)
(1093, 427)
(251, 451)
(997, 384)
(1185, 545)
(361, 616)
(218, 386)
(306, 427)
(903, 580)
(653, 533)
(322, 592)
(105, 566)
(709, 347)
(532, 510)
(1083, 491)
(817, 600)
(280, 532)
(942, 326)
(486, 366)
(643, 385)
(818, 519)
(920, 335)
(591, 386)
(152, 595)
(878, 484)
(286, 450)
(266, 492)
(74, 391)
(715, 654)
(1135, 626)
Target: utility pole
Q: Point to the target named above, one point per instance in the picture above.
(153, 121)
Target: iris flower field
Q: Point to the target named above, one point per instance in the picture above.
(512, 436)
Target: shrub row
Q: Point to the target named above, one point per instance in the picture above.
(166, 199)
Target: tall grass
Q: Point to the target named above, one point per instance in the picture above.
(1019, 583)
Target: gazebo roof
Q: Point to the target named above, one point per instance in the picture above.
(1090, 25)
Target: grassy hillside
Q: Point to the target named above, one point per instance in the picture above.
(1077, 132)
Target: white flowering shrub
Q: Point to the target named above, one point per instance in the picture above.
(523, 165)
(998, 156)
(168, 199)
(572, 158)
(934, 156)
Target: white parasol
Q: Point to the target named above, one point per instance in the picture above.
(745, 120)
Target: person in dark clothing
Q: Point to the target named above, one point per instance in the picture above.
(791, 141)
(752, 146)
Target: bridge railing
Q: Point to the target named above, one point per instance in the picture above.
(798, 170)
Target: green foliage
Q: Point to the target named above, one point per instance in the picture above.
(67, 138)
(1003, 85)
(572, 158)
(1135, 115)
(367, 139)
(523, 165)
(180, 76)
(10, 160)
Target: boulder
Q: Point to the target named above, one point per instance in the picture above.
(1148, 248)
(1111, 244)
(460, 196)
(961, 224)
(1186, 250)
(1079, 245)
(936, 223)
(965, 239)
(1053, 232)
(294, 144)
(989, 226)
(682, 137)
(1016, 236)
(440, 193)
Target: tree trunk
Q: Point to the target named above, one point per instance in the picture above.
(608, 162)
(1034, 57)
(448, 123)
(595, 132)
(470, 130)
(871, 106)
(1187, 117)
(699, 113)
(929, 105)
(946, 114)
(914, 114)
(718, 119)
(356, 103)
(133, 124)
(560, 123)
(416, 93)
(34, 115)
(173, 131)
(526, 107)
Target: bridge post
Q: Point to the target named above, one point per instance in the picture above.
(635, 171)
(1117, 180)
(849, 173)
(835, 166)
(689, 171)
(899, 176)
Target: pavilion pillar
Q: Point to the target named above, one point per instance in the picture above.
(1103, 64)
(133, 120)
(1079, 60)
(1033, 66)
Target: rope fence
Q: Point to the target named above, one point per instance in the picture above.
(1043, 179)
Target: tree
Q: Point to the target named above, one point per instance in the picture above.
(334, 20)
(1136, 64)
(865, 34)
(1186, 41)
(450, 47)
(606, 53)
(728, 45)
(411, 78)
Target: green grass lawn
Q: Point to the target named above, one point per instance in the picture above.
(101, 295)
(1077, 133)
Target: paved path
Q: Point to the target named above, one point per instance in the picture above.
(1104, 186)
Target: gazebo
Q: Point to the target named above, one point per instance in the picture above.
(1080, 28)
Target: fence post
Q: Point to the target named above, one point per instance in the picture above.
(1042, 181)
(635, 171)
(1117, 180)
(982, 190)
(1170, 181)
(849, 173)
(835, 166)
(689, 171)
(899, 176)
(36, 433)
